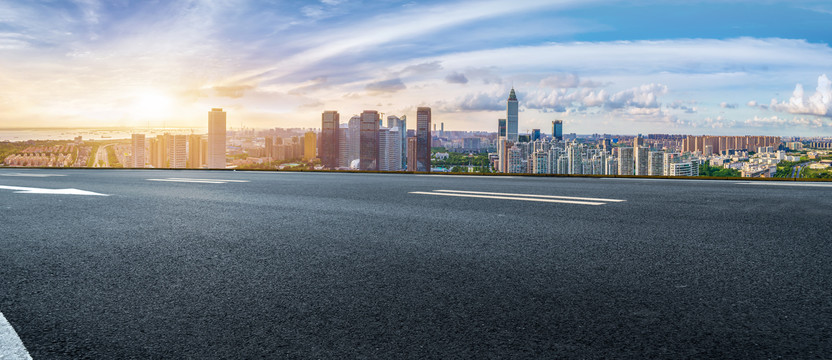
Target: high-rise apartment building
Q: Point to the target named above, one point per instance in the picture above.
(557, 130)
(196, 153)
(177, 154)
(216, 139)
(512, 117)
(138, 158)
(656, 164)
(310, 146)
(641, 162)
(344, 146)
(330, 126)
(626, 165)
(423, 139)
(369, 140)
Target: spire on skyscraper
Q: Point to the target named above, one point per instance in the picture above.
(512, 96)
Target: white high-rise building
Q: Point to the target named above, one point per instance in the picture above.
(656, 164)
(177, 151)
(138, 160)
(573, 153)
(669, 159)
(540, 162)
(625, 161)
(344, 146)
(216, 139)
(389, 149)
(687, 168)
(641, 160)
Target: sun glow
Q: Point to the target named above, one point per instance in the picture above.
(154, 105)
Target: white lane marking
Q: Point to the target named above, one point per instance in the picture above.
(11, 347)
(31, 190)
(531, 195)
(199, 181)
(31, 175)
(509, 198)
(785, 183)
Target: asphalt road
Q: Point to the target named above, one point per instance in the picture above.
(324, 265)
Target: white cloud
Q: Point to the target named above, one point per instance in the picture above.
(726, 105)
(820, 103)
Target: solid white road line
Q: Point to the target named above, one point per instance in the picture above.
(807, 184)
(531, 195)
(31, 175)
(508, 198)
(11, 348)
(199, 181)
(31, 190)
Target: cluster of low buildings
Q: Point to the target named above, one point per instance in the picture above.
(46, 156)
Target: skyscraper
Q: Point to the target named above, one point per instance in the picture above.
(512, 117)
(557, 129)
(195, 151)
(411, 153)
(423, 139)
(344, 146)
(369, 140)
(535, 134)
(355, 138)
(177, 151)
(310, 145)
(641, 162)
(625, 161)
(501, 128)
(656, 164)
(138, 159)
(216, 139)
(330, 125)
(401, 123)
(390, 149)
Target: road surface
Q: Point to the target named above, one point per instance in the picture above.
(201, 264)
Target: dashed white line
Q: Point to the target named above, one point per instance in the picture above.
(531, 195)
(11, 348)
(520, 197)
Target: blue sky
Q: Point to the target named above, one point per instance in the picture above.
(620, 67)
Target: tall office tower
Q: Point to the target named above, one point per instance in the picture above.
(138, 159)
(557, 130)
(442, 129)
(656, 164)
(310, 146)
(501, 128)
(330, 123)
(216, 139)
(369, 140)
(355, 138)
(344, 146)
(401, 123)
(411, 153)
(390, 148)
(195, 151)
(625, 161)
(177, 151)
(573, 153)
(640, 160)
(512, 117)
(535, 135)
(669, 159)
(423, 139)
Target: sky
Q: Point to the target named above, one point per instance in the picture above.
(617, 67)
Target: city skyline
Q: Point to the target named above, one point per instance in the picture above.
(760, 69)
